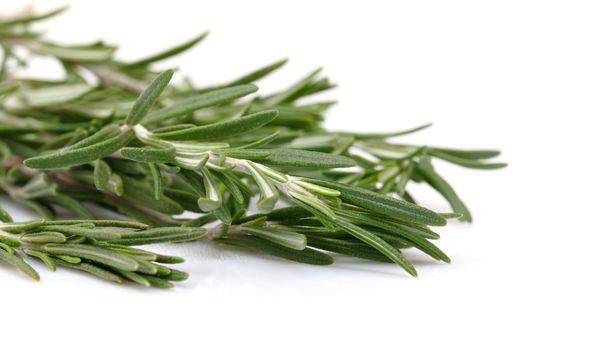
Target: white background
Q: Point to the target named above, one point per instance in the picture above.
(521, 76)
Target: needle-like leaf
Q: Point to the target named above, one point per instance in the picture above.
(306, 256)
(384, 204)
(378, 244)
(259, 73)
(306, 159)
(223, 129)
(469, 154)
(80, 156)
(200, 101)
(149, 97)
(101, 174)
(466, 162)
(284, 238)
(31, 18)
(445, 189)
(149, 154)
(18, 262)
(103, 256)
(169, 52)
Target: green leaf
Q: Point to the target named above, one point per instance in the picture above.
(144, 215)
(242, 153)
(149, 154)
(83, 231)
(200, 101)
(105, 133)
(185, 199)
(166, 259)
(17, 227)
(365, 136)
(135, 277)
(469, 154)
(19, 263)
(315, 204)
(44, 237)
(383, 204)
(306, 159)
(389, 151)
(259, 73)
(377, 243)
(5, 216)
(97, 254)
(71, 204)
(223, 214)
(281, 237)
(451, 215)
(142, 193)
(306, 256)
(69, 259)
(100, 223)
(263, 141)
(428, 247)
(358, 250)
(268, 192)
(390, 224)
(43, 257)
(404, 177)
(78, 53)
(212, 199)
(68, 158)
(116, 185)
(465, 162)
(101, 174)
(301, 84)
(226, 128)
(146, 267)
(91, 269)
(161, 232)
(413, 236)
(176, 275)
(281, 214)
(149, 97)
(169, 52)
(32, 18)
(231, 184)
(138, 254)
(158, 282)
(162, 235)
(157, 181)
(445, 189)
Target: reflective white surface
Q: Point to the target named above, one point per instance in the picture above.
(516, 75)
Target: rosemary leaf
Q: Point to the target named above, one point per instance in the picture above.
(223, 129)
(80, 156)
(202, 100)
(149, 97)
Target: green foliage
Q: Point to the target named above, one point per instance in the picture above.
(130, 141)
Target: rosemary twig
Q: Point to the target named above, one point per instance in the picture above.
(99, 247)
(138, 145)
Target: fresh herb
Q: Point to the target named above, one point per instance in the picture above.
(136, 144)
(99, 247)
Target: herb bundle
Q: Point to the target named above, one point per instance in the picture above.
(256, 171)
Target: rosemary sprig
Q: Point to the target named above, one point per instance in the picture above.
(138, 145)
(99, 247)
